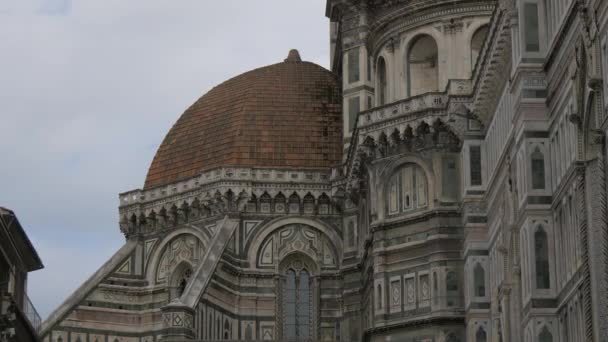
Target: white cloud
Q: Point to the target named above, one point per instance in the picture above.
(90, 88)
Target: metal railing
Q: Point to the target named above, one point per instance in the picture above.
(27, 307)
(30, 312)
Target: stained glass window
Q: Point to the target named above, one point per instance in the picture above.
(297, 305)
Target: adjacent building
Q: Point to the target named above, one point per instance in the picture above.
(444, 182)
(19, 321)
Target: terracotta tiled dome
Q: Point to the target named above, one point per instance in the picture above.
(283, 115)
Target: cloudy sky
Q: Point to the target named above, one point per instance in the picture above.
(89, 88)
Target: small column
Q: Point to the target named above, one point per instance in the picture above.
(178, 322)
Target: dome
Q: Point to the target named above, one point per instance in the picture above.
(285, 115)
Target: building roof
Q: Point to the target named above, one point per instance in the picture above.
(15, 241)
(283, 115)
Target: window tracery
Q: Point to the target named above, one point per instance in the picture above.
(297, 300)
(407, 190)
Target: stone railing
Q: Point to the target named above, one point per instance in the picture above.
(412, 105)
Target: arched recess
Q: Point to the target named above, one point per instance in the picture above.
(381, 81)
(258, 238)
(178, 279)
(384, 187)
(158, 253)
(422, 65)
(298, 238)
(477, 40)
(407, 190)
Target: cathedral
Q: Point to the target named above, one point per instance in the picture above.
(445, 181)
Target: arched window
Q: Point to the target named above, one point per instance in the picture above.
(407, 190)
(479, 280)
(423, 69)
(477, 44)
(481, 335)
(184, 281)
(226, 329)
(545, 335)
(541, 250)
(297, 304)
(538, 170)
(179, 280)
(382, 82)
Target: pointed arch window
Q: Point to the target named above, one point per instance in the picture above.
(481, 335)
(226, 329)
(479, 280)
(297, 305)
(382, 83)
(541, 249)
(538, 169)
(545, 335)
